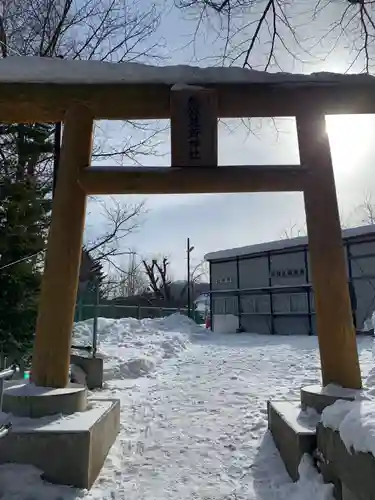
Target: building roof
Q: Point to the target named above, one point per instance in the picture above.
(21, 69)
(278, 245)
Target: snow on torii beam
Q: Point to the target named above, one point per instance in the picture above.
(36, 89)
(78, 104)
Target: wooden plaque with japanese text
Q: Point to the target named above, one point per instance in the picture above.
(194, 127)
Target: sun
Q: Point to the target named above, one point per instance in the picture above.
(350, 137)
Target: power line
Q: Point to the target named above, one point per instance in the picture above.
(10, 264)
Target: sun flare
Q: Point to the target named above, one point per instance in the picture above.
(350, 137)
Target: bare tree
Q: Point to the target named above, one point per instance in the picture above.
(368, 209)
(159, 281)
(128, 279)
(105, 30)
(198, 274)
(268, 28)
(136, 282)
(119, 221)
(293, 232)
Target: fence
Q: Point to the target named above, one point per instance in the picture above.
(88, 311)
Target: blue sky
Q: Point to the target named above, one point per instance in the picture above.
(216, 222)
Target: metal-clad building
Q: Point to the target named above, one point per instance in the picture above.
(266, 288)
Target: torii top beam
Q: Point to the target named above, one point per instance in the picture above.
(36, 89)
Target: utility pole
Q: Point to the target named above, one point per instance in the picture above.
(189, 249)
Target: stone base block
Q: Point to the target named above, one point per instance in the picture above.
(293, 438)
(24, 399)
(346, 494)
(93, 367)
(355, 471)
(69, 450)
(318, 397)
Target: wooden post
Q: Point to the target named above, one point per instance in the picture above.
(51, 357)
(336, 333)
(194, 127)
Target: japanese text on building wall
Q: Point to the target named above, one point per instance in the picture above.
(287, 273)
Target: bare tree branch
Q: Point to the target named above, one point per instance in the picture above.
(293, 232)
(128, 280)
(254, 30)
(110, 30)
(119, 221)
(368, 209)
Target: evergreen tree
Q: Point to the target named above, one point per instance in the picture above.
(91, 277)
(24, 220)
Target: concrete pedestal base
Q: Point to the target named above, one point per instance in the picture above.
(93, 367)
(292, 436)
(355, 471)
(295, 433)
(23, 399)
(69, 450)
(318, 397)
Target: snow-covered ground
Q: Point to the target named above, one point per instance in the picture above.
(194, 422)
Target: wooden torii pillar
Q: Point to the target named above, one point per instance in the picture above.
(51, 357)
(334, 322)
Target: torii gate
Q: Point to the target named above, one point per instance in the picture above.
(194, 113)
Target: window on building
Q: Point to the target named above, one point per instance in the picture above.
(298, 302)
(248, 304)
(263, 304)
(218, 305)
(231, 305)
(225, 305)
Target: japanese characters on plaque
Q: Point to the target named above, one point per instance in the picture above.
(194, 128)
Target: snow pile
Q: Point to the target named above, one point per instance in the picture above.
(175, 323)
(48, 70)
(309, 418)
(132, 348)
(310, 484)
(338, 391)
(270, 480)
(355, 422)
